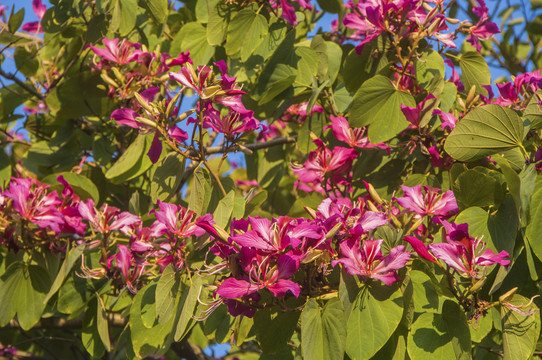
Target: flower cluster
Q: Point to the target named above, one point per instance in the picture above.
(33, 216)
(291, 256)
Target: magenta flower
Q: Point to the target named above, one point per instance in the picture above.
(465, 254)
(262, 274)
(234, 124)
(108, 218)
(121, 55)
(132, 119)
(276, 235)
(353, 137)
(369, 262)
(35, 26)
(325, 164)
(31, 202)
(484, 29)
(175, 220)
(430, 203)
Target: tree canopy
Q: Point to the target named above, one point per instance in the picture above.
(295, 179)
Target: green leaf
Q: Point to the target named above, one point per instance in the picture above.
(274, 329)
(72, 256)
(330, 6)
(90, 336)
(15, 20)
(430, 71)
(167, 290)
(245, 32)
(475, 188)
(520, 333)
(217, 24)
(448, 96)
(193, 37)
(534, 229)
(323, 334)
(72, 296)
(187, 306)
(255, 202)
(158, 10)
(128, 159)
(167, 177)
(282, 77)
(378, 103)
(11, 97)
(5, 169)
(101, 324)
(223, 211)
(499, 230)
(440, 336)
(307, 69)
(26, 61)
(200, 192)
(425, 296)
(474, 72)
(480, 328)
(379, 308)
(485, 131)
(147, 341)
(82, 186)
(124, 16)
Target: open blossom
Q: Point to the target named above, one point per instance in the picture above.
(431, 202)
(121, 54)
(352, 136)
(484, 29)
(325, 164)
(108, 218)
(31, 202)
(175, 220)
(276, 235)
(465, 254)
(234, 124)
(368, 261)
(261, 272)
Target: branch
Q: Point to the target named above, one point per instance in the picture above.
(21, 83)
(252, 147)
(4, 26)
(114, 320)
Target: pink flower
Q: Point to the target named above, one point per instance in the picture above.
(325, 164)
(277, 234)
(465, 254)
(35, 26)
(31, 202)
(455, 76)
(175, 220)
(262, 273)
(484, 29)
(414, 115)
(448, 120)
(369, 262)
(108, 218)
(430, 203)
(116, 54)
(234, 125)
(353, 137)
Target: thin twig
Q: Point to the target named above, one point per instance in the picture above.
(21, 83)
